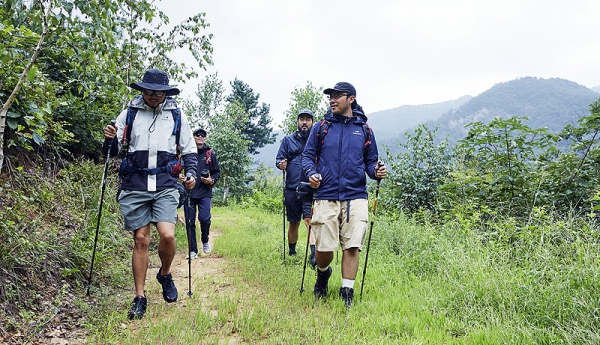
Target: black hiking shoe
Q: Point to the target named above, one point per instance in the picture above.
(320, 290)
(347, 295)
(292, 250)
(168, 287)
(138, 308)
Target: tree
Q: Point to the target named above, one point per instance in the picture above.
(310, 98)
(418, 171)
(210, 97)
(231, 148)
(68, 64)
(256, 128)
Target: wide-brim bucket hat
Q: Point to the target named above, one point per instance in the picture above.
(155, 80)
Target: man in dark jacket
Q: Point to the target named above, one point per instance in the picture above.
(336, 164)
(201, 195)
(148, 186)
(289, 159)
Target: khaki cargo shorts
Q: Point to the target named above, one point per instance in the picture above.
(333, 225)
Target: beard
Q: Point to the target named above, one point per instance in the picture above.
(303, 132)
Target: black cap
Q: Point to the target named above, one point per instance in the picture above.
(306, 112)
(342, 86)
(155, 80)
(198, 129)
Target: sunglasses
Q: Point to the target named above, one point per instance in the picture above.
(335, 96)
(199, 134)
(155, 93)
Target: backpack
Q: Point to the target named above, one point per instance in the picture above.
(173, 167)
(324, 127)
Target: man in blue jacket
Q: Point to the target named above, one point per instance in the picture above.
(201, 195)
(289, 159)
(335, 162)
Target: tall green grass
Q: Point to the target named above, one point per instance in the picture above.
(425, 284)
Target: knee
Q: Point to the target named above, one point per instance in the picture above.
(141, 241)
(167, 238)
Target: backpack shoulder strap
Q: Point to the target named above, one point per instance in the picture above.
(367, 132)
(177, 125)
(131, 113)
(208, 153)
(323, 128)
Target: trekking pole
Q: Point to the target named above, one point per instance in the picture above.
(362, 284)
(188, 227)
(312, 206)
(283, 217)
(104, 174)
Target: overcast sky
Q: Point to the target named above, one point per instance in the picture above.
(394, 52)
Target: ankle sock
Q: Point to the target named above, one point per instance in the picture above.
(322, 269)
(348, 283)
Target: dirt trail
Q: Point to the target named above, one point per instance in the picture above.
(209, 281)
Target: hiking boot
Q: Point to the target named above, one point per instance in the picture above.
(192, 255)
(320, 290)
(206, 247)
(138, 308)
(347, 295)
(168, 287)
(292, 250)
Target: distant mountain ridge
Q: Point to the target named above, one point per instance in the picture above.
(390, 124)
(596, 88)
(550, 103)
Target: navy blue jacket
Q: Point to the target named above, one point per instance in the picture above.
(291, 149)
(344, 159)
(202, 190)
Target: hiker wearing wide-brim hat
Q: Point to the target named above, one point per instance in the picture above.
(154, 131)
(155, 80)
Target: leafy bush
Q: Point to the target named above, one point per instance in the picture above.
(47, 230)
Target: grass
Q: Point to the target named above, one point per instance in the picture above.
(424, 285)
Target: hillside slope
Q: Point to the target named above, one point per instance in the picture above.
(550, 103)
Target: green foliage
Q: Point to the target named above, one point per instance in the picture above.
(506, 160)
(267, 190)
(309, 97)
(255, 128)
(92, 52)
(209, 99)
(416, 172)
(231, 149)
(47, 230)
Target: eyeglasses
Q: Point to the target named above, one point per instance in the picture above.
(200, 134)
(335, 96)
(155, 93)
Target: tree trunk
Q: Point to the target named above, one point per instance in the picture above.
(13, 95)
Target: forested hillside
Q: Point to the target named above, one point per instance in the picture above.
(547, 103)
